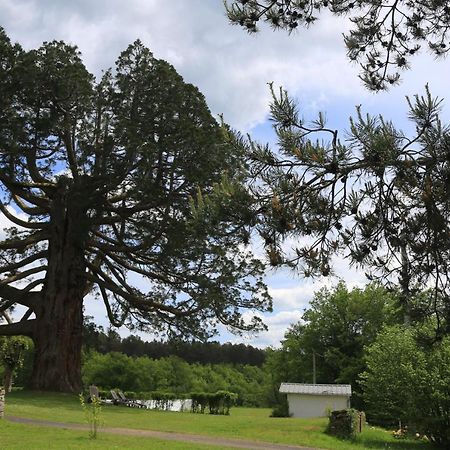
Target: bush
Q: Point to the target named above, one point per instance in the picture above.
(163, 400)
(346, 423)
(281, 409)
(408, 382)
(93, 414)
(199, 402)
(218, 403)
(131, 395)
(103, 393)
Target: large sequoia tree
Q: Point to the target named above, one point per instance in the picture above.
(100, 180)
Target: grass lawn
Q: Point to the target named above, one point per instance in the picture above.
(242, 423)
(14, 436)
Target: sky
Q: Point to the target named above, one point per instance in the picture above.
(232, 69)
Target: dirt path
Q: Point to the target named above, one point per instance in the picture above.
(181, 437)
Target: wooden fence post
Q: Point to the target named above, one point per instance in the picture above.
(2, 402)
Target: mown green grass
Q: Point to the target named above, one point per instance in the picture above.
(14, 436)
(242, 423)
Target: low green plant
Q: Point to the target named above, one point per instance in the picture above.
(164, 400)
(93, 414)
(344, 423)
(281, 409)
(218, 403)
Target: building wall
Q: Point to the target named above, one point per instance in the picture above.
(307, 405)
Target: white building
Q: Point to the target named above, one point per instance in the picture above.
(316, 400)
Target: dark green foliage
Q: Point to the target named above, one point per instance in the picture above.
(13, 351)
(281, 409)
(384, 35)
(346, 423)
(218, 403)
(95, 338)
(124, 142)
(396, 372)
(199, 402)
(408, 382)
(145, 376)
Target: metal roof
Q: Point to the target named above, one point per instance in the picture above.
(316, 389)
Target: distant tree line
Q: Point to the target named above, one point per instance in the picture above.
(140, 375)
(99, 340)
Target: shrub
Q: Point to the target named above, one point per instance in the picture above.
(218, 403)
(199, 402)
(104, 393)
(93, 414)
(131, 395)
(163, 400)
(346, 423)
(281, 409)
(408, 382)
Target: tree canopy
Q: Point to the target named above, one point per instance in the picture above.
(384, 34)
(327, 344)
(100, 178)
(408, 383)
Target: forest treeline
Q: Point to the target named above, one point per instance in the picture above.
(101, 341)
(140, 375)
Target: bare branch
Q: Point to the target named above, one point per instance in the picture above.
(25, 328)
(111, 316)
(6, 316)
(46, 185)
(21, 190)
(23, 262)
(21, 275)
(20, 222)
(22, 244)
(21, 296)
(32, 211)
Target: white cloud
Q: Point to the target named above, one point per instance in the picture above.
(230, 67)
(277, 323)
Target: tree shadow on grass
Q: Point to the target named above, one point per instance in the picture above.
(43, 399)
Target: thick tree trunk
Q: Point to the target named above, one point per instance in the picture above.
(59, 317)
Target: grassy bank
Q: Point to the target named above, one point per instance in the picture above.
(242, 423)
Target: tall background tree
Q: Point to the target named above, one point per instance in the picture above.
(327, 345)
(408, 383)
(384, 36)
(99, 178)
